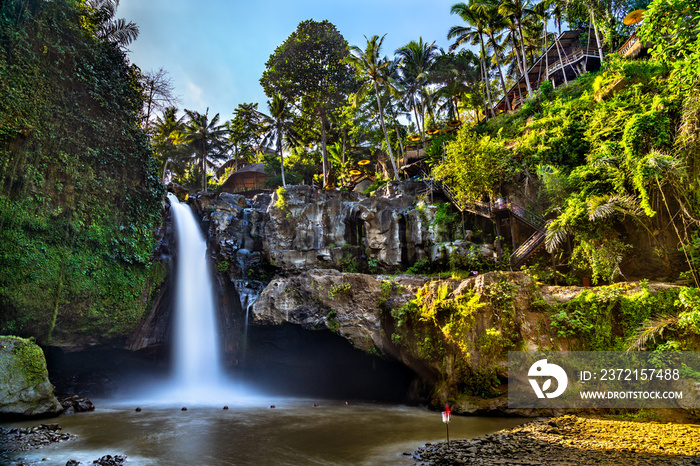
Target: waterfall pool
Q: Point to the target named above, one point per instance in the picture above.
(252, 433)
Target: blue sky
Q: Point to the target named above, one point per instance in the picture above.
(215, 50)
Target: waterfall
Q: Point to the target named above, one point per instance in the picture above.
(197, 377)
(196, 358)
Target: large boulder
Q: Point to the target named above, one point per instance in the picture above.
(25, 389)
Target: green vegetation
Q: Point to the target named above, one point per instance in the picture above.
(616, 318)
(338, 289)
(332, 322)
(80, 192)
(30, 362)
(440, 327)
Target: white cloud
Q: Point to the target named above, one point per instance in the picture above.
(193, 97)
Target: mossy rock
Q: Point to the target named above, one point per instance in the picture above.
(25, 389)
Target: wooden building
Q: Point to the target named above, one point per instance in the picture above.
(566, 56)
(252, 177)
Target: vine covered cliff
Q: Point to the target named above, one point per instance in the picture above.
(79, 191)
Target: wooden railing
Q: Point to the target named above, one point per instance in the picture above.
(526, 249)
(631, 42)
(479, 208)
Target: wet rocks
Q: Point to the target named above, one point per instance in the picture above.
(571, 440)
(109, 460)
(76, 404)
(23, 439)
(25, 389)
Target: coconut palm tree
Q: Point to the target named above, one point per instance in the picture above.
(457, 73)
(278, 126)
(395, 105)
(116, 31)
(372, 70)
(495, 23)
(417, 59)
(475, 31)
(518, 10)
(165, 133)
(205, 138)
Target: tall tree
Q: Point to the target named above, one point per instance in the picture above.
(474, 31)
(157, 89)
(165, 132)
(372, 70)
(417, 59)
(495, 23)
(518, 10)
(243, 132)
(453, 73)
(309, 70)
(205, 137)
(277, 126)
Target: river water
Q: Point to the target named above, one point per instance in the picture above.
(251, 433)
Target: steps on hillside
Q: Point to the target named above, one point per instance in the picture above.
(488, 210)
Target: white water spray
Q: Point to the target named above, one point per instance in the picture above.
(195, 340)
(198, 377)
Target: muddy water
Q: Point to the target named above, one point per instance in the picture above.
(294, 433)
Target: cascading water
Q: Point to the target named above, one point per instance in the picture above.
(198, 377)
(195, 340)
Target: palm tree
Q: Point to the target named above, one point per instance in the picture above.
(278, 126)
(474, 31)
(165, 133)
(495, 23)
(116, 31)
(457, 73)
(417, 59)
(372, 70)
(518, 10)
(205, 137)
(393, 73)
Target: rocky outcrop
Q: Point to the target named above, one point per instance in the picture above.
(374, 313)
(346, 303)
(299, 228)
(25, 389)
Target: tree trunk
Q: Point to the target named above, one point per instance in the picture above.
(386, 135)
(517, 60)
(415, 114)
(165, 168)
(546, 55)
(279, 151)
(597, 39)
(558, 45)
(486, 76)
(422, 117)
(204, 169)
(522, 48)
(500, 74)
(324, 154)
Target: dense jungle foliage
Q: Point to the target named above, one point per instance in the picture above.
(80, 192)
(611, 159)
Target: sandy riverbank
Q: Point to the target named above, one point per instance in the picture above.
(573, 440)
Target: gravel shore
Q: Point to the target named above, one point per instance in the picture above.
(572, 440)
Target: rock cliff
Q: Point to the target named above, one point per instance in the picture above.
(455, 334)
(299, 229)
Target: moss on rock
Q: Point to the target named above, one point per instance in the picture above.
(25, 389)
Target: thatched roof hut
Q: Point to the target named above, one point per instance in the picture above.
(251, 177)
